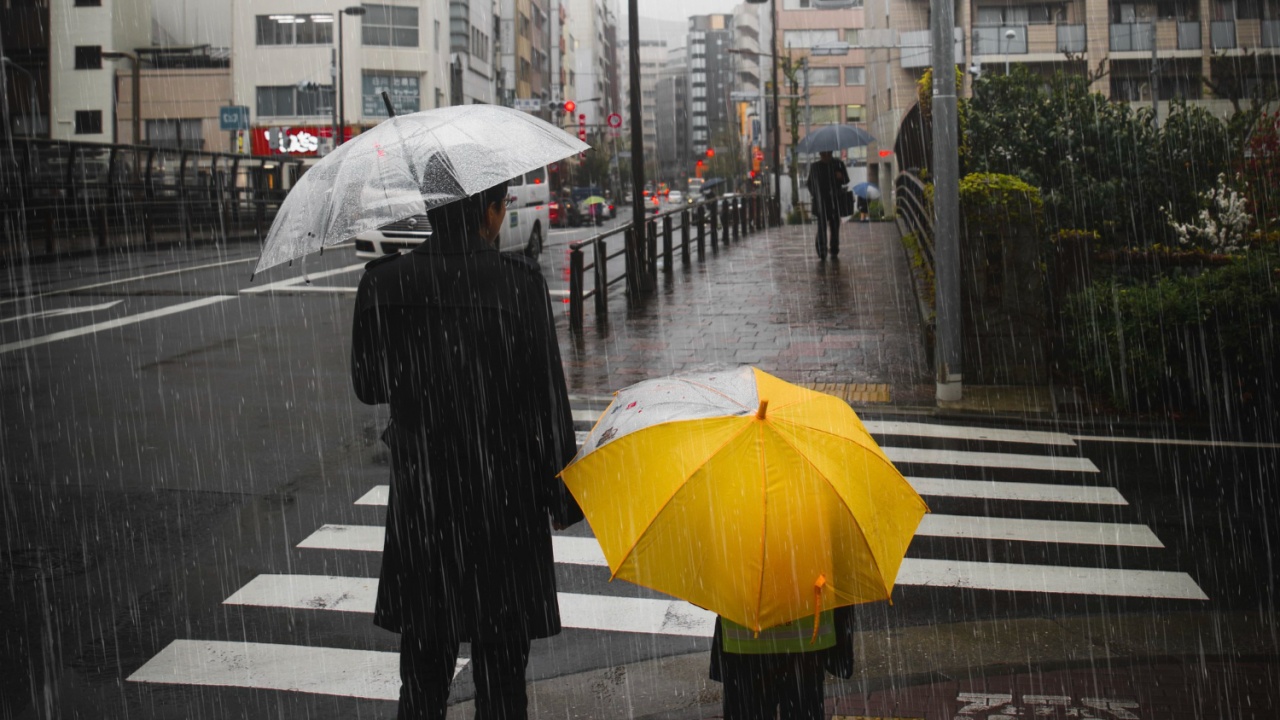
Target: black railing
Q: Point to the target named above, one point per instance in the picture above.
(912, 207)
(57, 195)
(720, 220)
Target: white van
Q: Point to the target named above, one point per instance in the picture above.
(528, 217)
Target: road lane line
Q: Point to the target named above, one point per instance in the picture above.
(63, 312)
(257, 289)
(1031, 492)
(136, 278)
(365, 674)
(1176, 441)
(986, 459)
(112, 324)
(654, 616)
(965, 432)
(587, 416)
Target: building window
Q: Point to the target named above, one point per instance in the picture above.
(855, 76)
(853, 36)
(290, 101)
(809, 38)
(390, 25)
(404, 90)
(854, 113)
(435, 36)
(88, 3)
(289, 29)
(826, 114)
(88, 122)
(88, 57)
(824, 77)
(797, 5)
(176, 134)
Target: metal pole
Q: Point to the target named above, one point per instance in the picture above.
(808, 110)
(946, 172)
(137, 98)
(333, 73)
(635, 251)
(777, 115)
(1155, 79)
(338, 87)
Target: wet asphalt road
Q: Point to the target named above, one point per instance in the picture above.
(170, 438)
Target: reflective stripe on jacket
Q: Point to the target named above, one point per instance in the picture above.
(793, 637)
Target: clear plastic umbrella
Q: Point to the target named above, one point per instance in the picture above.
(834, 138)
(405, 166)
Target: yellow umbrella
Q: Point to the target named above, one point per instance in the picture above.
(756, 499)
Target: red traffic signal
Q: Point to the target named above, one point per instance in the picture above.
(711, 152)
(570, 106)
(699, 163)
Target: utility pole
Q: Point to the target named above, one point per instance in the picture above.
(946, 202)
(808, 110)
(776, 115)
(1155, 79)
(638, 280)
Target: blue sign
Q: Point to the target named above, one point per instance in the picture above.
(233, 117)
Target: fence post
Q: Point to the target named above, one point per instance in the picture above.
(575, 289)
(600, 269)
(726, 221)
(715, 223)
(735, 218)
(100, 225)
(653, 251)
(684, 236)
(701, 214)
(666, 243)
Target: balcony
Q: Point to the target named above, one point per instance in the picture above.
(916, 47)
(1164, 35)
(1037, 39)
(996, 40)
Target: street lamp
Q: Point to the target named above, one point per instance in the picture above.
(137, 90)
(1009, 36)
(340, 80)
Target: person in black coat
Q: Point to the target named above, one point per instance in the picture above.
(827, 178)
(460, 340)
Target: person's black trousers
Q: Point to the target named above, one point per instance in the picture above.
(426, 672)
(758, 686)
(828, 224)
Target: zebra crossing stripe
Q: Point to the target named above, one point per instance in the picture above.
(652, 616)
(915, 571)
(366, 674)
(586, 416)
(1010, 461)
(1055, 531)
(946, 487)
(991, 490)
(966, 432)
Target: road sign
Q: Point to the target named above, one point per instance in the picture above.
(615, 120)
(529, 104)
(233, 117)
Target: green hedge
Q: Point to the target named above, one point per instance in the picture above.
(1199, 342)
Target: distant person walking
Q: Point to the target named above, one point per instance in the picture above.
(460, 340)
(827, 178)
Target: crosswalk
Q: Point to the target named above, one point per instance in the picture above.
(1002, 471)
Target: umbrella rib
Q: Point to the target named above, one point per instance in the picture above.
(870, 550)
(627, 556)
(710, 389)
(855, 441)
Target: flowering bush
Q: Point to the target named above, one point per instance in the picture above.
(1222, 224)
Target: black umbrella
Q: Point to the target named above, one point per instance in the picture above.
(834, 138)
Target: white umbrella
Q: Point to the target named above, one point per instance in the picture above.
(405, 166)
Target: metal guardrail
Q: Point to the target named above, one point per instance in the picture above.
(912, 205)
(53, 192)
(722, 220)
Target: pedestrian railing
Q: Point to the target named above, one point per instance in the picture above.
(53, 193)
(719, 220)
(912, 207)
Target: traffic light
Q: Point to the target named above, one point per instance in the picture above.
(699, 163)
(570, 106)
(711, 152)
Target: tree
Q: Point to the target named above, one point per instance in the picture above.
(791, 70)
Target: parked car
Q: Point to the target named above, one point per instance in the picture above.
(675, 200)
(528, 212)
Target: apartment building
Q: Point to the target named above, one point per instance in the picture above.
(671, 148)
(595, 59)
(1145, 53)
(526, 38)
(713, 68)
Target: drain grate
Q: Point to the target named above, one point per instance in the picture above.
(853, 393)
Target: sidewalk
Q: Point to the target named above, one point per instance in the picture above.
(850, 324)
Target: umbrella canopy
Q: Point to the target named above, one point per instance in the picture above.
(405, 166)
(595, 200)
(834, 138)
(866, 190)
(759, 500)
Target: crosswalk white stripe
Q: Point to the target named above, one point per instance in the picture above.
(366, 674)
(588, 416)
(960, 574)
(966, 432)
(1032, 492)
(1056, 531)
(992, 460)
(945, 487)
(653, 616)
(1055, 579)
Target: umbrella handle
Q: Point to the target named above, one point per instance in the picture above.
(817, 606)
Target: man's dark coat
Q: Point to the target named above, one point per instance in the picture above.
(460, 340)
(826, 180)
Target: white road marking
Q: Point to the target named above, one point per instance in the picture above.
(1055, 579)
(1175, 441)
(965, 432)
(654, 616)
(316, 289)
(986, 459)
(112, 324)
(589, 416)
(1033, 492)
(558, 293)
(62, 312)
(291, 282)
(135, 278)
(379, 495)
(364, 674)
(1055, 531)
